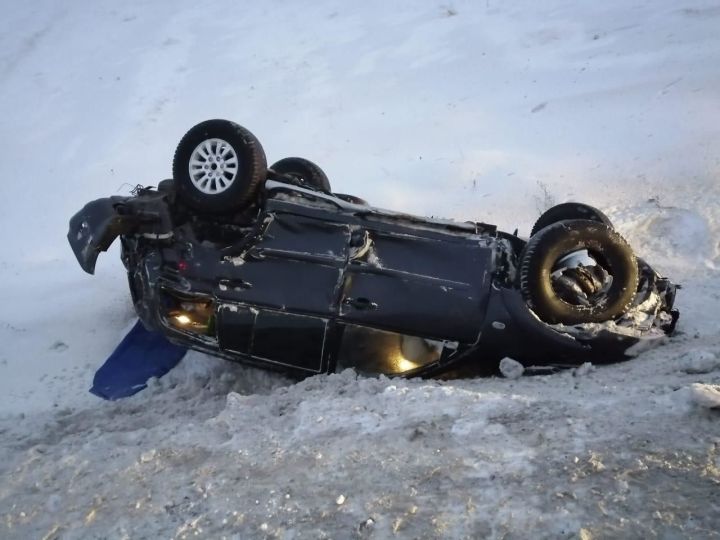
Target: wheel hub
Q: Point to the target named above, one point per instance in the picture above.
(582, 285)
(213, 166)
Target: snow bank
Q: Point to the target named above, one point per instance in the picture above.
(488, 111)
(218, 449)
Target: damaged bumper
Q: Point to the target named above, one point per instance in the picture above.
(94, 228)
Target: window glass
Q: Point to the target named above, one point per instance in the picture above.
(376, 351)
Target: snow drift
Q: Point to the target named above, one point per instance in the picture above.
(473, 111)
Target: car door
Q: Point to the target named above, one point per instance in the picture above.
(417, 282)
(279, 295)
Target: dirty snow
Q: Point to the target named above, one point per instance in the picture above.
(706, 395)
(467, 110)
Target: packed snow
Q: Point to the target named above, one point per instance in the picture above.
(488, 111)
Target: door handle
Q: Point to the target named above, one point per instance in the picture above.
(234, 284)
(360, 303)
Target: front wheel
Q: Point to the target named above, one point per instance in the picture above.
(578, 271)
(567, 211)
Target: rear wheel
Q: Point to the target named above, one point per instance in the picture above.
(304, 171)
(569, 210)
(578, 271)
(351, 199)
(218, 167)
(166, 186)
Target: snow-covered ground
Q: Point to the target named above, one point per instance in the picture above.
(472, 110)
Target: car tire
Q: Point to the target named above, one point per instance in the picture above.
(166, 186)
(218, 167)
(569, 210)
(549, 245)
(304, 170)
(352, 199)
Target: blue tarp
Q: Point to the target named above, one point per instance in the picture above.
(140, 356)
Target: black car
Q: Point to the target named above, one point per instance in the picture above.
(269, 266)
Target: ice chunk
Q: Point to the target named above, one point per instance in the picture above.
(583, 369)
(511, 369)
(706, 395)
(700, 361)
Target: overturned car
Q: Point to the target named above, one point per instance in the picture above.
(268, 266)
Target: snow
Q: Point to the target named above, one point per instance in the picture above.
(584, 369)
(701, 361)
(511, 369)
(484, 111)
(706, 395)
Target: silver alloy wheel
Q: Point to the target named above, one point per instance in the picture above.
(213, 166)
